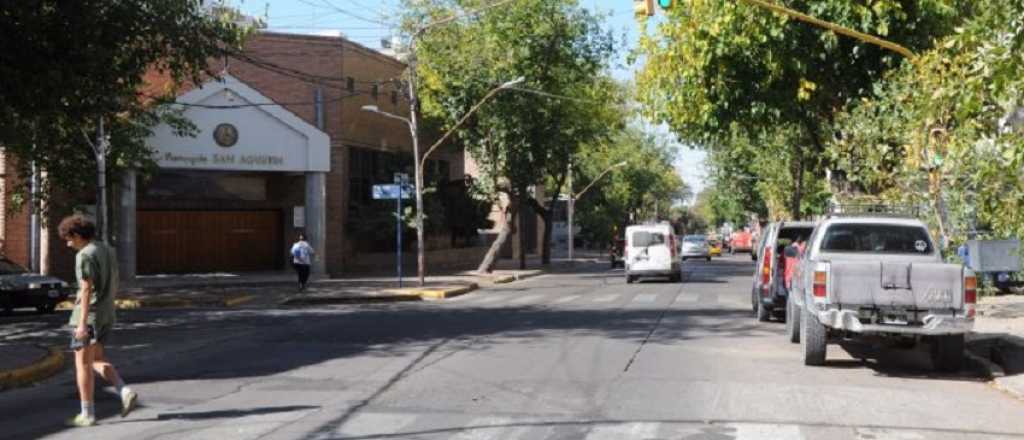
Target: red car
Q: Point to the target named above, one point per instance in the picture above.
(741, 241)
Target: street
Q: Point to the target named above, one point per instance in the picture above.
(577, 355)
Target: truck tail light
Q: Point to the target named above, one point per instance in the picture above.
(970, 295)
(672, 244)
(766, 272)
(820, 280)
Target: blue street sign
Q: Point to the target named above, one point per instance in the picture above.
(390, 192)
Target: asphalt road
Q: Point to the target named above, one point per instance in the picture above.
(568, 356)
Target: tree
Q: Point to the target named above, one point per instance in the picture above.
(935, 134)
(74, 80)
(648, 183)
(719, 70)
(519, 138)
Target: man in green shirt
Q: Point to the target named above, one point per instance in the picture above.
(93, 316)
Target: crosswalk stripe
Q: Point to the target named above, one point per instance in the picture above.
(566, 299)
(605, 298)
(619, 431)
(364, 424)
(525, 299)
(646, 297)
(750, 431)
(490, 299)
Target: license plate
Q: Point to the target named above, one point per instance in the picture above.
(53, 293)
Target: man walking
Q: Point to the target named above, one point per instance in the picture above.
(93, 316)
(302, 258)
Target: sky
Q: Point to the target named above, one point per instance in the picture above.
(369, 21)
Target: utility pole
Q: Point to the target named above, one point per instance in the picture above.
(570, 207)
(573, 197)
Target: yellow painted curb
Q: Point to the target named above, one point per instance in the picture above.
(504, 279)
(445, 293)
(41, 369)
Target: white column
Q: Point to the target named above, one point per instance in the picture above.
(316, 218)
(126, 228)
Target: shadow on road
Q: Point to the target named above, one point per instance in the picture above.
(233, 413)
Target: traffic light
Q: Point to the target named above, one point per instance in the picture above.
(666, 4)
(644, 8)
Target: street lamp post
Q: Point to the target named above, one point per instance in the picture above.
(573, 197)
(419, 161)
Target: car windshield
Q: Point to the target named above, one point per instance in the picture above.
(694, 239)
(896, 239)
(8, 267)
(647, 238)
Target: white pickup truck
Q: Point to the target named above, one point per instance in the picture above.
(883, 276)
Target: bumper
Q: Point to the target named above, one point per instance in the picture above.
(33, 298)
(695, 254)
(934, 325)
(653, 273)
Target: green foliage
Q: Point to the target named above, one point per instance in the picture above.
(931, 135)
(751, 85)
(517, 138)
(648, 182)
(67, 64)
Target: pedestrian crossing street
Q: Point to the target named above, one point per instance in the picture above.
(443, 426)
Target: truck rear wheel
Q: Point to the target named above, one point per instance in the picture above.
(813, 338)
(948, 353)
(792, 321)
(763, 314)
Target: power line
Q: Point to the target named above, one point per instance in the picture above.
(350, 14)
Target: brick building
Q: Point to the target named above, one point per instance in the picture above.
(282, 147)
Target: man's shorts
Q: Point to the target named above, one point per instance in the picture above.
(101, 335)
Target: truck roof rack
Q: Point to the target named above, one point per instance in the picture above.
(874, 209)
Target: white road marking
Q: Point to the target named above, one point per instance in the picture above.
(646, 297)
(365, 424)
(566, 299)
(750, 431)
(621, 431)
(524, 299)
(606, 298)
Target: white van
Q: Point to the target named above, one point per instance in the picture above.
(651, 251)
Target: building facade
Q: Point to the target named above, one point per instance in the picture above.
(282, 147)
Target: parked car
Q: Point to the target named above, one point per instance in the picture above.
(880, 275)
(696, 246)
(616, 251)
(21, 288)
(715, 248)
(651, 251)
(741, 241)
(768, 291)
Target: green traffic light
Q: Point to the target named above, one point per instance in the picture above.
(665, 4)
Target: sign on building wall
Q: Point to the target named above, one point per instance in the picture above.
(237, 130)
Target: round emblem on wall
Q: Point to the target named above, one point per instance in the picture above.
(225, 135)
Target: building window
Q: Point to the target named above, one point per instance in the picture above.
(394, 97)
(374, 90)
(350, 84)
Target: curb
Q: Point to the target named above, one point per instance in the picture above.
(158, 302)
(438, 293)
(505, 279)
(361, 299)
(42, 368)
(993, 367)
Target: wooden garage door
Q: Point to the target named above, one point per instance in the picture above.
(208, 241)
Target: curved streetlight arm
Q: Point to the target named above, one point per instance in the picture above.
(837, 28)
(489, 95)
(374, 109)
(599, 176)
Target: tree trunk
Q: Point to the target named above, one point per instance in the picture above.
(547, 214)
(491, 257)
(102, 227)
(522, 229)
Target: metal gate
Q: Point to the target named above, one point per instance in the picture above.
(208, 241)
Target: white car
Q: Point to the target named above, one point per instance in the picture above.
(696, 246)
(651, 251)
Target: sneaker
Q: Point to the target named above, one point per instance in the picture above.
(81, 421)
(128, 401)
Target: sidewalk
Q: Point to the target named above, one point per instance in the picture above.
(999, 338)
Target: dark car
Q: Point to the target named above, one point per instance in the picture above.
(21, 288)
(768, 293)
